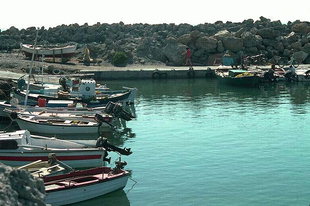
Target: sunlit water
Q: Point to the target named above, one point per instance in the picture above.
(196, 142)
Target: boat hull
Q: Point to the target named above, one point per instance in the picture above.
(67, 51)
(100, 101)
(77, 158)
(250, 81)
(73, 195)
(56, 129)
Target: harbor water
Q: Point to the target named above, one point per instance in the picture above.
(196, 142)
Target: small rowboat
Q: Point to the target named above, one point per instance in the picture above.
(83, 185)
(60, 125)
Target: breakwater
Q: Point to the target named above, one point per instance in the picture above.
(166, 43)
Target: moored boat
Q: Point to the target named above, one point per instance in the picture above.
(83, 185)
(20, 148)
(54, 124)
(239, 78)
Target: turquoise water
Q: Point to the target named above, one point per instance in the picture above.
(200, 143)
(196, 142)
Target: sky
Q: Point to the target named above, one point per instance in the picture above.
(38, 13)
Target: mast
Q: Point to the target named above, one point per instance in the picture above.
(30, 71)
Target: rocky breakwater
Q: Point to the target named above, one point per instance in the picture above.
(166, 43)
(19, 188)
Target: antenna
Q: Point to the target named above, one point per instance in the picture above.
(30, 71)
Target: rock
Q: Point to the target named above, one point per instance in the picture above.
(268, 33)
(19, 188)
(195, 35)
(292, 37)
(296, 46)
(251, 40)
(174, 53)
(300, 56)
(185, 39)
(303, 27)
(232, 43)
(306, 48)
(222, 34)
(207, 43)
(220, 46)
(287, 53)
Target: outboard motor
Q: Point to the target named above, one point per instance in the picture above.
(107, 159)
(117, 110)
(103, 142)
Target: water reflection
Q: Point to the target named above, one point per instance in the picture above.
(118, 198)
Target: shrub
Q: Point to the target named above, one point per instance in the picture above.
(120, 59)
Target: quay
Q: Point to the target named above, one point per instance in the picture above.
(163, 72)
(136, 72)
(140, 72)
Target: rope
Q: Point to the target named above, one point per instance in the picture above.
(135, 182)
(5, 129)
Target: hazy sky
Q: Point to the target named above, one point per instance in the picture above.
(27, 13)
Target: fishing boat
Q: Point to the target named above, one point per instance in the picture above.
(53, 107)
(65, 51)
(57, 124)
(83, 185)
(20, 148)
(91, 101)
(239, 78)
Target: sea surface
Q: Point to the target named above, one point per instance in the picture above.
(196, 142)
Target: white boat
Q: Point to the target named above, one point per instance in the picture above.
(56, 124)
(83, 185)
(114, 110)
(65, 51)
(20, 148)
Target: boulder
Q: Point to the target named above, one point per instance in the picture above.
(292, 37)
(174, 52)
(268, 33)
(300, 56)
(251, 40)
(220, 46)
(19, 188)
(222, 34)
(232, 43)
(185, 39)
(306, 48)
(302, 28)
(296, 46)
(207, 43)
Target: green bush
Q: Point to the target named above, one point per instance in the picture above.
(120, 59)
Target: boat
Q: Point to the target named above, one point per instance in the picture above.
(20, 148)
(83, 185)
(116, 110)
(56, 124)
(239, 78)
(50, 167)
(65, 51)
(91, 101)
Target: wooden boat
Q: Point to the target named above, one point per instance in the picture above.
(67, 107)
(83, 91)
(239, 78)
(91, 102)
(20, 148)
(65, 51)
(83, 185)
(57, 124)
